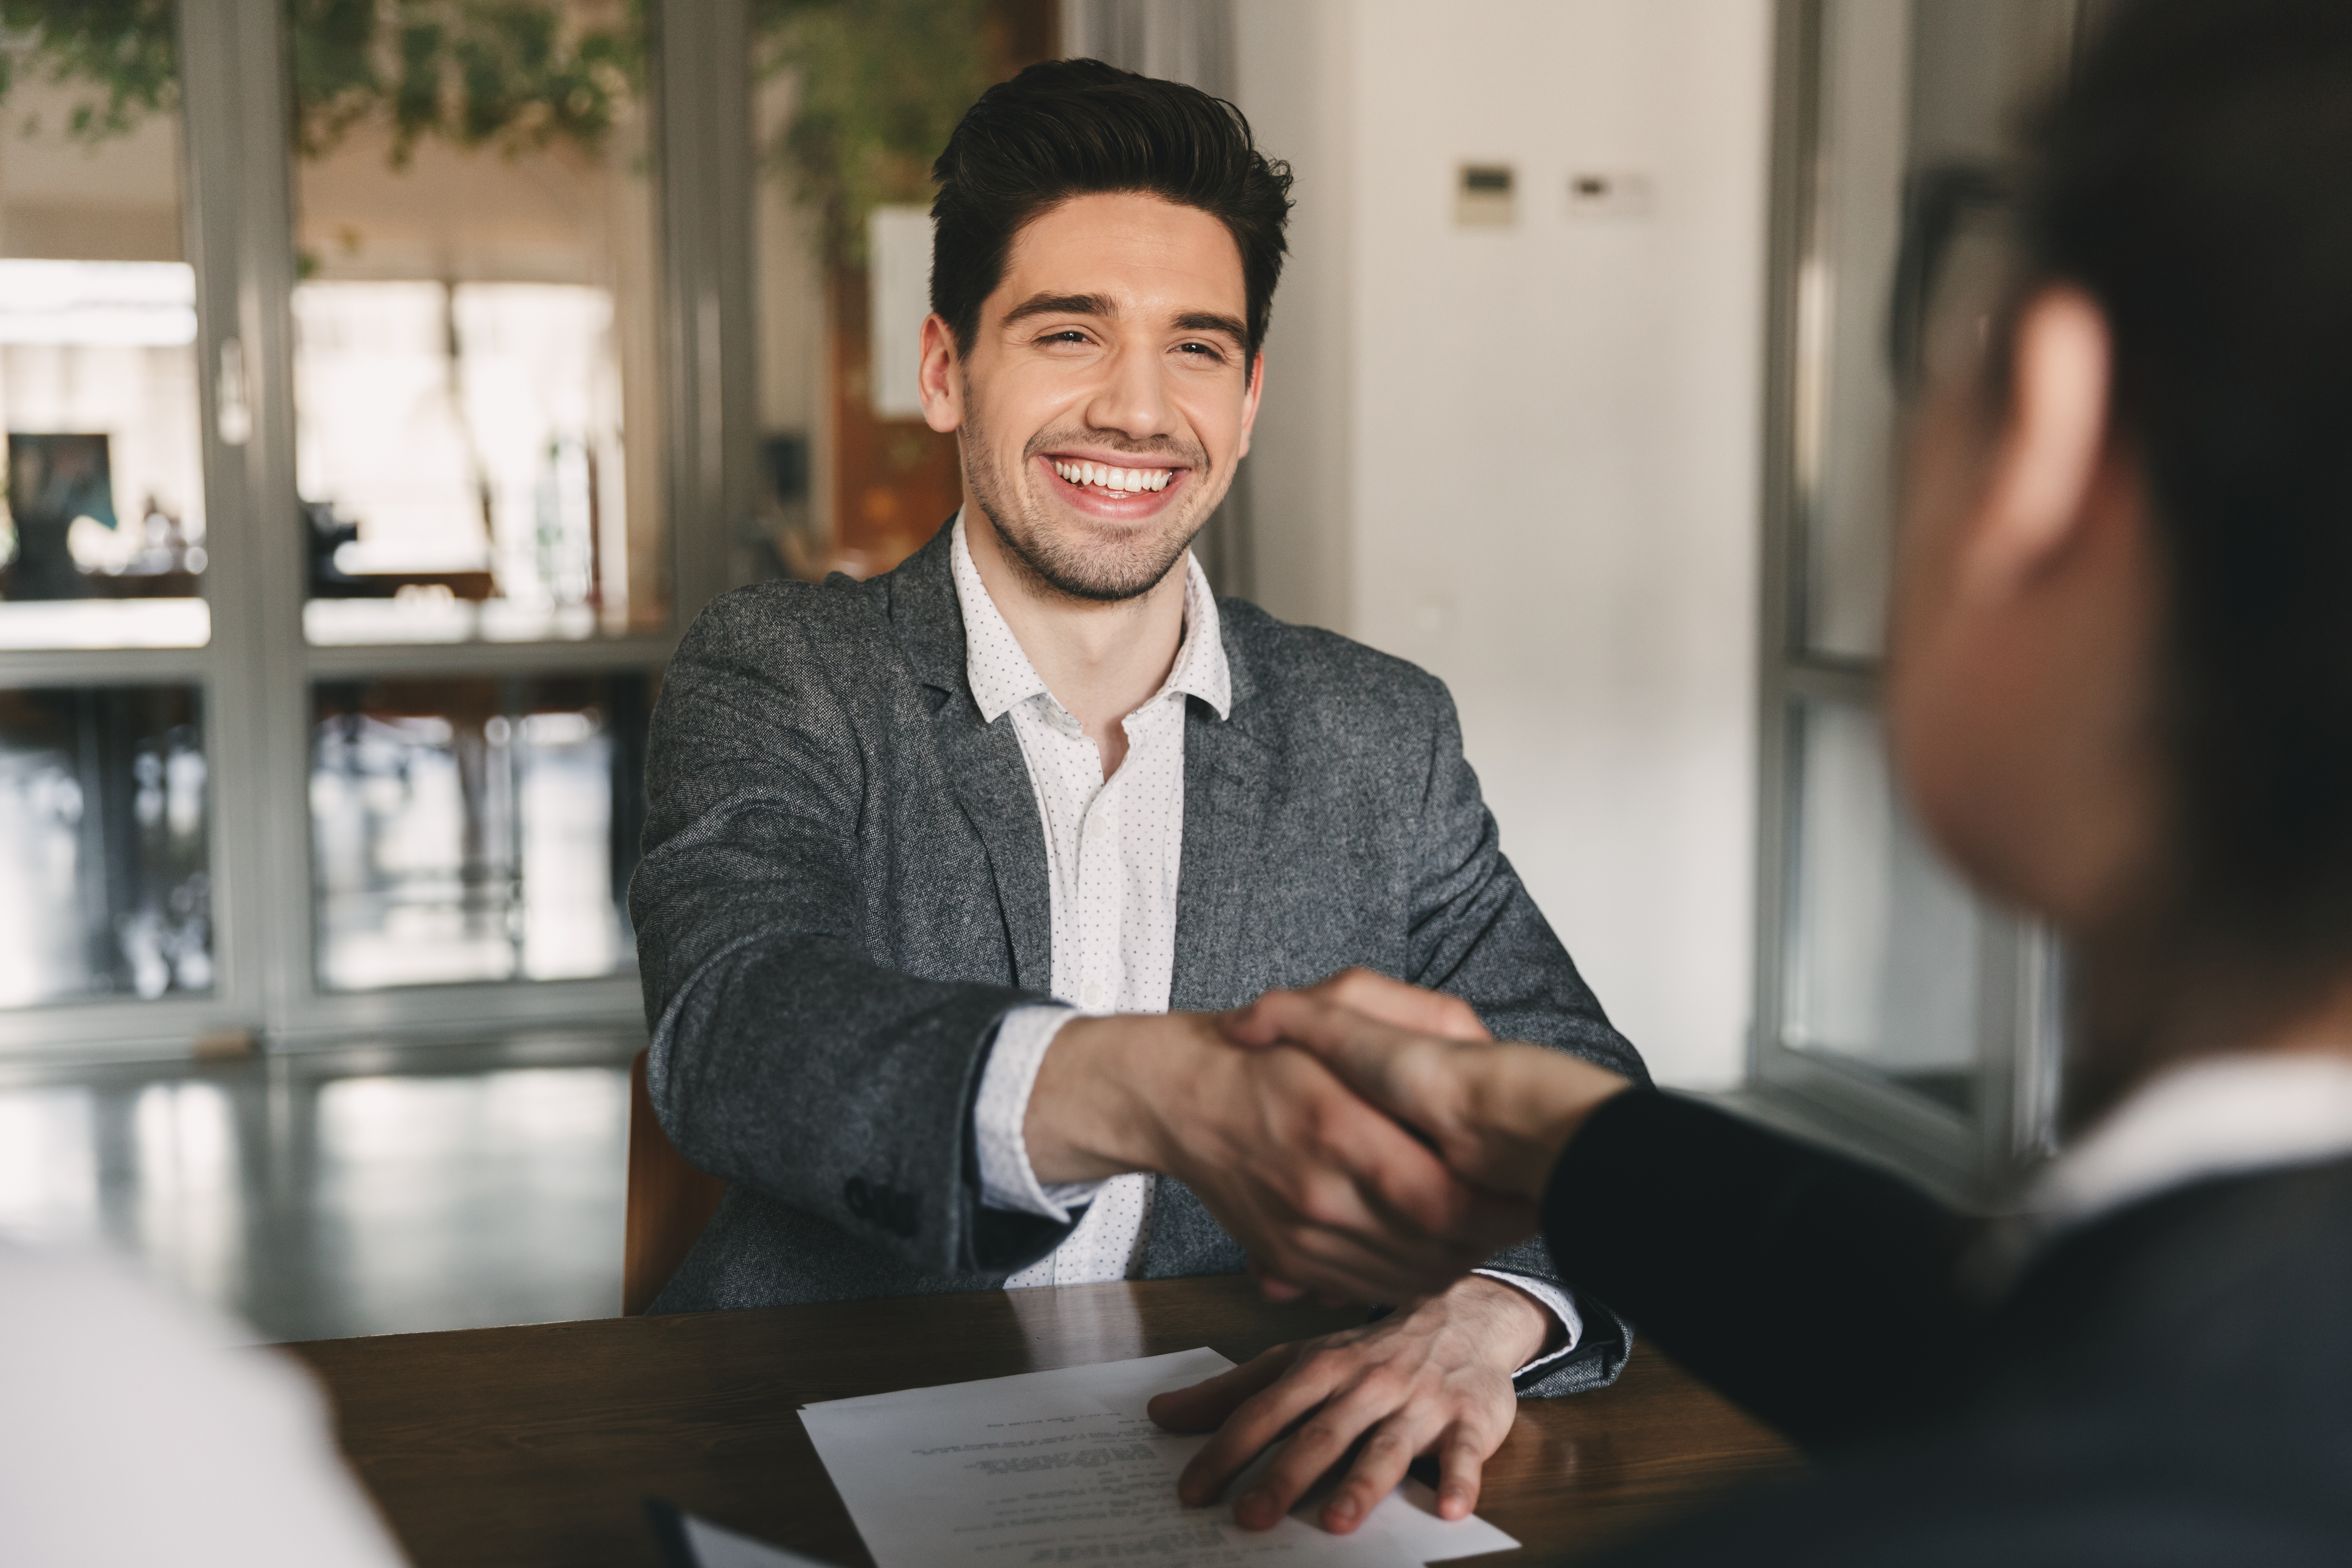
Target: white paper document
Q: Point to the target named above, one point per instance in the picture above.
(1064, 1468)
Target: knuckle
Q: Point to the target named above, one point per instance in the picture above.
(1323, 1204)
(1324, 1436)
(1324, 1363)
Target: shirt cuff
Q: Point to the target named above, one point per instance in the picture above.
(1552, 1299)
(1001, 1113)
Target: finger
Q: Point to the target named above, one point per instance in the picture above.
(1272, 1285)
(1302, 1460)
(1462, 1458)
(1377, 1471)
(1258, 1424)
(1205, 1405)
(1251, 1025)
(1407, 1006)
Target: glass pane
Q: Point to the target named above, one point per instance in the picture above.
(850, 105)
(475, 363)
(1904, 88)
(474, 828)
(102, 530)
(1882, 955)
(104, 844)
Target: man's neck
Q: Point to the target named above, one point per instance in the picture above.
(1100, 660)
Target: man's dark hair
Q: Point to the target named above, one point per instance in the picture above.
(2195, 177)
(1072, 128)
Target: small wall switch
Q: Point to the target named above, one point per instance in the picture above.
(1486, 197)
(1606, 193)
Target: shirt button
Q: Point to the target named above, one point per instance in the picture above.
(1093, 994)
(1097, 828)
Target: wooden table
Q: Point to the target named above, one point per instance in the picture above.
(526, 1446)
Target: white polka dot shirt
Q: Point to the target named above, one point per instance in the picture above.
(1113, 849)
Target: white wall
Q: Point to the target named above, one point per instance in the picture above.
(1527, 457)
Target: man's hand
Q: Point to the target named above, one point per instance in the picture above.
(1325, 1192)
(1435, 1378)
(1500, 1114)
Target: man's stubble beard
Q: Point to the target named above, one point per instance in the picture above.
(1102, 573)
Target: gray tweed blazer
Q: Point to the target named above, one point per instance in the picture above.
(844, 889)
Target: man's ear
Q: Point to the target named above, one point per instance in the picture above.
(1249, 404)
(2050, 446)
(941, 387)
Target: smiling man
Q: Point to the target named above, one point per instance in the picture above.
(950, 873)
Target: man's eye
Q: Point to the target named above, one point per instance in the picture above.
(1209, 351)
(1070, 336)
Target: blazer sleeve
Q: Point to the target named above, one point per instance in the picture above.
(782, 1056)
(1476, 932)
(1813, 1290)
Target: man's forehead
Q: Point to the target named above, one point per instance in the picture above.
(1114, 254)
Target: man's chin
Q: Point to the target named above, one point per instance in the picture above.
(1099, 559)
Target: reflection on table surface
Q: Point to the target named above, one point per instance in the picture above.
(356, 1193)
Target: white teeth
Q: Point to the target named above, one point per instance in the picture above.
(1121, 481)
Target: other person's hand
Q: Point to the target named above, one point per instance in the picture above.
(1325, 1193)
(1500, 1114)
(1434, 1378)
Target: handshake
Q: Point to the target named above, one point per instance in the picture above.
(1363, 1138)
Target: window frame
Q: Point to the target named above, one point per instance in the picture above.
(255, 674)
(1973, 1158)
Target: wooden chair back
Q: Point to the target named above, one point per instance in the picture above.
(669, 1202)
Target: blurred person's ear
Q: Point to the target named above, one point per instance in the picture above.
(2050, 446)
(2021, 658)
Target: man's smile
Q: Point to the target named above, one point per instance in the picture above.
(1128, 491)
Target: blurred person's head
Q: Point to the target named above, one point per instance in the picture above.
(2122, 662)
(1104, 260)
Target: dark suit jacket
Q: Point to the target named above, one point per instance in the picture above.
(845, 888)
(2168, 1384)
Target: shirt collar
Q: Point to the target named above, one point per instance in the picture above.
(2223, 1116)
(1002, 677)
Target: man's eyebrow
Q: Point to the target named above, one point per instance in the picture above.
(1060, 305)
(1210, 321)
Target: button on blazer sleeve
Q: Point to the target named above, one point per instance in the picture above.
(784, 1057)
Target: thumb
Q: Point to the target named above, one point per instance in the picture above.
(1261, 1023)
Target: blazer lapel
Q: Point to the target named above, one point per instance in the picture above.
(990, 781)
(1228, 779)
(983, 760)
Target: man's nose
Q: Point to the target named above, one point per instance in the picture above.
(1131, 399)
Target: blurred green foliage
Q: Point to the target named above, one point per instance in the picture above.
(517, 74)
(125, 48)
(514, 74)
(879, 84)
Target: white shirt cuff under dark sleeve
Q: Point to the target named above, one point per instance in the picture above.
(1554, 1300)
(1001, 1113)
